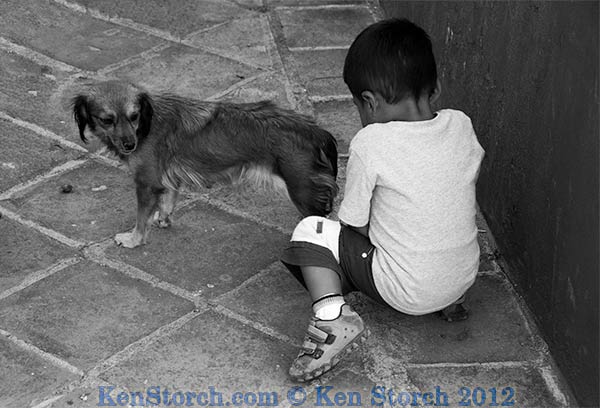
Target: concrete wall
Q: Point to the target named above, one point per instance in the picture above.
(527, 74)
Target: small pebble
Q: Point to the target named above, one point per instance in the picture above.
(66, 188)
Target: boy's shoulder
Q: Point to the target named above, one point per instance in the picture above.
(445, 117)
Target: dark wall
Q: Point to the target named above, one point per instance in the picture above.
(527, 74)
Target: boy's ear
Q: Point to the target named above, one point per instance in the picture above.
(436, 92)
(369, 100)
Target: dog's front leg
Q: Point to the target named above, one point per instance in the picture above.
(147, 200)
(166, 205)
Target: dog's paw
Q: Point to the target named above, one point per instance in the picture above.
(128, 240)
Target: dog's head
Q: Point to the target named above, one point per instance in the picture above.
(118, 113)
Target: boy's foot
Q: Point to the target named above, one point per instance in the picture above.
(455, 312)
(326, 342)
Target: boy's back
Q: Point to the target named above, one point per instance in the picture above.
(413, 183)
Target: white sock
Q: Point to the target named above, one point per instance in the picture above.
(328, 308)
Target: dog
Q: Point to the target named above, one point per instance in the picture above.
(170, 141)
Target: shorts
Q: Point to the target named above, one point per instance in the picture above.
(355, 252)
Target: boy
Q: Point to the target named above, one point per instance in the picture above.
(407, 235)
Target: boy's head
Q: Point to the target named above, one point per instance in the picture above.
(393, 58)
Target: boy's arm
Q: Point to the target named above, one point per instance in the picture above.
(360, 183)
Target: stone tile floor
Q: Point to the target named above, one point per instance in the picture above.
(205, 307)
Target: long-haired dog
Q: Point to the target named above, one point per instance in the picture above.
(169, 141)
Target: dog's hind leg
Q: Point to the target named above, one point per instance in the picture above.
(166, 205)
(147, 201)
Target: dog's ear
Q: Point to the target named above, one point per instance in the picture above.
(146, 113)
(81, 114)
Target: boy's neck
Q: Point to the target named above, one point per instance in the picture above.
(407, 110)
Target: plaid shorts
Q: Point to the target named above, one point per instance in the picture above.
(354, 267)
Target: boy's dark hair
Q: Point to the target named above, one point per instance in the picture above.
(393, 58)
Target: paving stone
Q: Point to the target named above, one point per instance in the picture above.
(77, 39)
(178, 18)
(206, 250)
(25, 154)
(527, 384)
(277, 286)
(495, 330)
(325, 27)
(83, 214)
(341, 119)
(28, 92)
(86, 313)
(25, 251)
(244, 39)
(271, 87)
(26, 377)
(305, 3)
(257, 5)
(186, 71)
(209, 351)
(269, 207)
(321, 71)
(347, 388)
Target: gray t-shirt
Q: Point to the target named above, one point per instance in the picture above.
(414, 184)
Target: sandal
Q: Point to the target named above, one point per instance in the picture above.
(326, 342)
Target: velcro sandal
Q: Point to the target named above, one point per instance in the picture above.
(326, 342)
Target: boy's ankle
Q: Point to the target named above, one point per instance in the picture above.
(328, 307)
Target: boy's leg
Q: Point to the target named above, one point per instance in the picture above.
(336, 328)
(325, 288)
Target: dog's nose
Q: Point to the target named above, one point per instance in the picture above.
(129, 145)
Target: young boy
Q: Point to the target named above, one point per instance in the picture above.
(407, 235)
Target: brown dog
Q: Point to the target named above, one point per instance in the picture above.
(169, 141)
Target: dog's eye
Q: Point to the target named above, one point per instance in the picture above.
(134, 117)
(106, 121)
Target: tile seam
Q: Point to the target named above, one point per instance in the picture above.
(51, 358)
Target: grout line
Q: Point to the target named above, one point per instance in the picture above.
(51, 233)
(144, 55)
(234, 211)
(37, 57)
(123, 22)
(235, 86)
(246, 283)
(48, 403)
(96, 255)
(255, 325)
(205, 30)
(141, 344)
(149, 30)
(485, 364)
(41, 353)
(319, 48)
(42, 132)
(492, 273)
(63, 168)
(277, 61)
(296, 93)
(552, 383)
(39, 275)
(376, 10)
(323, 7)
(330, 98)
(99, 157)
